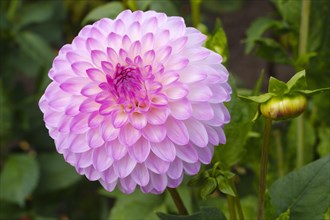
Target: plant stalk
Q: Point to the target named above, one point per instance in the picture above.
(178, 201)
(195, 5)
(231, 207)
(279, 153)
(263, 168)
(303, 41)
(238, 202)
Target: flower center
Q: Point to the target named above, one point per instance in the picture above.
(127, 86)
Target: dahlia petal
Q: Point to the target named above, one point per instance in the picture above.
(192, 74)
(163, 54)
(109, 175)
(169, 77)
(93, 44)
(191, 168)
(178, 44)
(149, 24)
(212, 134)
(119, 118)
(161, 39)
(135, 31)
(159, 100)
(165, 150)
(140, 175)
(128, 135)
(96, 75)
(52, 118)
(177, 64)
(74, 57)
(109, 132)
(176, 169)
(112, 54)
(187, 153)
(181, 109)
(147, 42)
(138, 120)
(199, 93)
(157, 116)
(60, 102)
(154, 133)
(108, 186)
(119, 27)
(115, 150)
(79, 144)
(177, 131)
(94, 137)
(74, 85)
(174, 183)
(70, 157)
(195, 39)
(159, 181)
(177, 27)
(114, 41)
(221, 134)
(205, 154)
(156, 165)
(101, 160)
(176, 91)
(91, 173)
(140, 151)
(89, 105)
(80, 68)
(73, 108)
(90, 89)
(79, 123)
(124, 166)
(64, 124)
(197, 132)
(60, 65)
(202, 111)
(219, 94)
(149, 56)
(85, 159)
(127, 185)
(221, 115)
(107, 107)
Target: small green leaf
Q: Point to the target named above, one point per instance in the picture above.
(256, 30)
(224, 185)
(276, 86)
(271, 50)
(297, 82)
(258, 99)
(284, 216)
(313, 92)
(305, 191)
(19, 178)
(210, 184)
(218, 41)
(55, 173)
(109, 10)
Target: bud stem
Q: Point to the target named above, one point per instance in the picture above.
(178, 201)
(263, 168)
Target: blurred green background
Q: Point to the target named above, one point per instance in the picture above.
(35, 181)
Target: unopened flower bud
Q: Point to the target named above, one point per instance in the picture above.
(284, 107)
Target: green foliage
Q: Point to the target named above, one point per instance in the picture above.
(205, 213)
(19, 178)
(305, 192)
(109, 10)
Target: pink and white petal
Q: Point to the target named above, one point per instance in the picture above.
(199, 93)
(220, 94)
(165, 150)
(212, 134)
(94, 137)
(115, 150)
(91, 173)
(80, 68)
(149, 25)
(202, 111)
(221, 134)
(187, 153)
(177, 63)
(89, 105)
(173, 183)
(147, 43)
(154, 133)
(177, 131)
(221, 115)
(156, 165)
(73, 86)
(138, 120)
(59, 102)
(195, 39)
(79, 144)
(91, 89)
(191, 168)
(140, 151)
(73, 108)
(127, 185)
(85, 159)
(128, 135)
(159, 100)
(119, 27)
(205, 154)
(178, 44)
(93, 44)
(119, 118)
(109, 132)
(109, 175)
(192, 74)
(101, 160)
(114, 41)
(157, 116)
(124, 166)
(159, 181)
(96, 75)
(176, 169)
(181, 109)
(197, 132)
(79, 123)
(176, 25)
(52, 118)
(135, 31)
(108, 186)
(140, 174)
(95, 120)
(176, 91)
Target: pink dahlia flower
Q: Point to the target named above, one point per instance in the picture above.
(137, 101)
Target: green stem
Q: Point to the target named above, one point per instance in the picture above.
(303, 41)
(263, 168)
(238, 202)
(178, 201)
(279, 153)
(231, 207)
(195, 11)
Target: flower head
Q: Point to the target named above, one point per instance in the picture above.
(137, 101)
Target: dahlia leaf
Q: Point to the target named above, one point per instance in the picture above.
(109, 10)
(271, 50)
(19, 178)
(224, 185)
(297, 82)
(305, 191)
(313, 92)
(208, 187)
(259, 98)
(276, 86)
(55, 173)
(205, 213)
